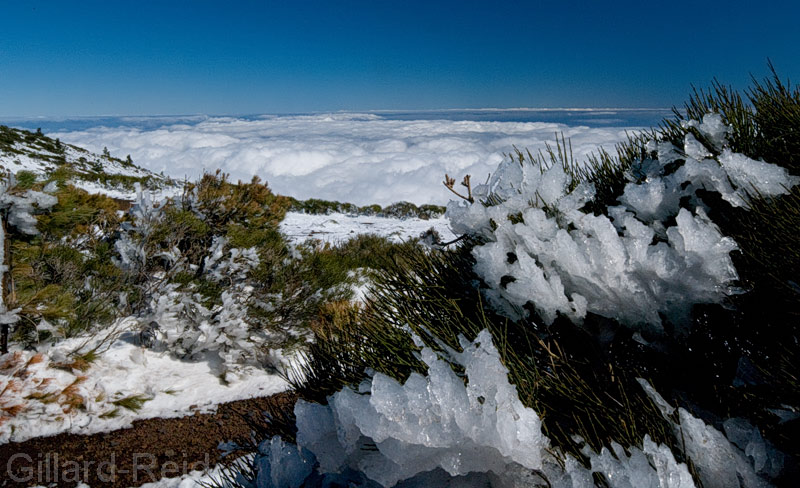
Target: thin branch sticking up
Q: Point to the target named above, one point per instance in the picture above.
(450, 182)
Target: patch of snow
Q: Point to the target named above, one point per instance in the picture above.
(30, 157)
(170, 385)
(337, 228)
(173, 388)
(96, 188)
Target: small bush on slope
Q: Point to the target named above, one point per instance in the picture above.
(64, 275)
(576, 367)
(400, 210)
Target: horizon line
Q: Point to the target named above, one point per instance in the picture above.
(343, 111)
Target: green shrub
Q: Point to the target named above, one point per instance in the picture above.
(51, 271)
(25, 179)
(297, 293)
(317, 206)
(369, 210)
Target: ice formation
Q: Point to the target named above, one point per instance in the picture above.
(440, 429)
(719, 463)
(649, 257)
(739, 457)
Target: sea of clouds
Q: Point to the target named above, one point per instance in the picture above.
(358, 158)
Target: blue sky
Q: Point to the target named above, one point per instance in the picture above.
(188, 57)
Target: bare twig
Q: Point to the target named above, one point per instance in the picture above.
(457, 239)
(450, 182)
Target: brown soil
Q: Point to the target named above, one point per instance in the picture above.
(151, 449)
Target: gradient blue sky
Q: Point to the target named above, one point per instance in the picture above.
(60, 58)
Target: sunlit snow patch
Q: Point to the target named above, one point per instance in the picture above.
(337, 228)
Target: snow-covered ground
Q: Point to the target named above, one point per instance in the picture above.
(29, 157)
(50, 397)
(45, 392)
(336, 227)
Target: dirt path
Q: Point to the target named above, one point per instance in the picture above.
(151, 449)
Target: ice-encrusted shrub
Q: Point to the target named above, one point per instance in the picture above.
(646, 260)
(192, 261)
(193, 325)
(192, 232)
(435, 295)
(692, 248)
(751, 344)
(215, 278)
(185, 227)
(462, 423)
(208, 274)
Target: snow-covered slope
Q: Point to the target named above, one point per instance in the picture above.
(44, 385)
(22, 150)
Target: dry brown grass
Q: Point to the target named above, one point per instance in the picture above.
(77, 364)
(8, 403)
(70, 397)
(11, 361)
(35, 359)
(13, 410)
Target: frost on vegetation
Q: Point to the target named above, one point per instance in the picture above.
(182, 321)
(765, 457)
(190, 329)
(231, 265)
(19, 212)
(649, 257)
(739, 457)
(144, 214)
(20, 208)
(719, 462)
(444, 429)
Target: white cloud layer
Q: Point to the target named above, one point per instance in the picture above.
(356, 158)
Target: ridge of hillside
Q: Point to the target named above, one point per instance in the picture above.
(34, 152)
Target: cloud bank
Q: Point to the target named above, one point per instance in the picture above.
(358, 158)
